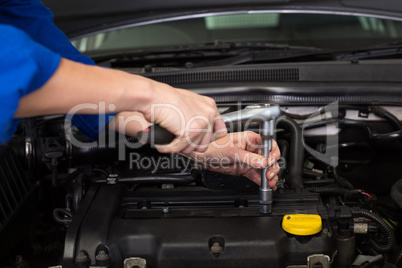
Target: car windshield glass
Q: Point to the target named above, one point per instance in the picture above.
(316, 30)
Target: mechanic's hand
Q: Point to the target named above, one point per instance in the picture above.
(193, 118)
(240, 154)
(129, 123)
(189, 116)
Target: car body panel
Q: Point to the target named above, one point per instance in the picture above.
(79, 18)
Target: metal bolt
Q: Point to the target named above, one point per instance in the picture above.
(216, 248)
(325, 231)
(81, 257)
(165, 210)
(102, 256)
(288, 217)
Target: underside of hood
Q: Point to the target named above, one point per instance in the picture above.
(77, 18)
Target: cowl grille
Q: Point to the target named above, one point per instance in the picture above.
(239, 75)
(14, 187)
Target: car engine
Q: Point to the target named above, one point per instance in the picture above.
(94, 207)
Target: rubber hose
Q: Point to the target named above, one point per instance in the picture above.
(59, 216)
(384, 228)
(331, 190)
(397, 256)
(342, 181)
(296, 158)
(101, 171)
(103, 154)
(322, 111)
(154, 179)
(384, 137)
(77, 192)
(381, 112)
(159, 179)
(396, 192)
(284, 148)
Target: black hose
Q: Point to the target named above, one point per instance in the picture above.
(381, 112)
(295, 164)
(153, 179)
(78, 192)
(320, 111)
(159, 179)
(384, 228)
(103, 154)
(396, 257)
(101, 171)
(284, 148)
(342, 182)
(321, 181)
(383, 137)
(377, 110)
(62, 216)
(331, 190)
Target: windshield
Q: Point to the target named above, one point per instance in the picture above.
(316, 30)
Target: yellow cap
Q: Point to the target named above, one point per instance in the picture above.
(302, 224)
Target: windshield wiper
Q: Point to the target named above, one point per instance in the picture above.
(227, 53)
(381, 50)
(255, 56)
(370, 54)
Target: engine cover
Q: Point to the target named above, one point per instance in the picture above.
(214, 229)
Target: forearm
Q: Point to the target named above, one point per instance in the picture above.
(76, 88)
(74, 83)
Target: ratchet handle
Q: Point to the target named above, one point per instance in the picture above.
(155, 134)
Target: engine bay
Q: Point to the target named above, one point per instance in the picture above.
(87, 207)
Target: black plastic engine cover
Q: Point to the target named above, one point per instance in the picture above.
(160, 227)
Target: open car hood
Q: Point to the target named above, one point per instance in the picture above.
(77, 18)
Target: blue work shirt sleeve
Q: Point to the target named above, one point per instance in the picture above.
(32, 17)
(24, 67)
